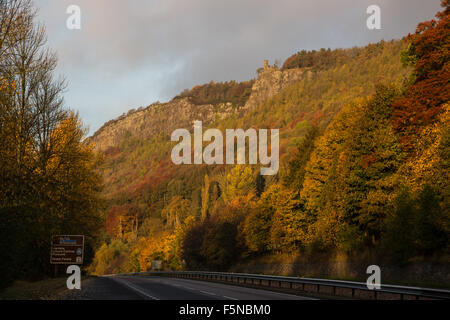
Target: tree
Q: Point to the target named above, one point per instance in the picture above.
(205, 199)
(428, 89)
(48, 179)
(351, 177)
(289, 223)
(430, 158)
(415, 225)
(239, 182)
(296, 167)
(258, 222)
(176, 211)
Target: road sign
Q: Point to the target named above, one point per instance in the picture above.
(67, 250)
(156, 264)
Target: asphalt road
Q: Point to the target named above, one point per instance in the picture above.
(159, 288)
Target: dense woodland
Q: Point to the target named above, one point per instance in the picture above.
(234, 92)
(364, 166)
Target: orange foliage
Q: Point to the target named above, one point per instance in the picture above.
(429, 51)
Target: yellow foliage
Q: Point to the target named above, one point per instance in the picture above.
(427, 165)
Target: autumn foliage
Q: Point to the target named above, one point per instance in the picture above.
(364, 167)
(429, 88)
(49, 182)
(233, 92)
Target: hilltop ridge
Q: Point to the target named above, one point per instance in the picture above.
(181, 111)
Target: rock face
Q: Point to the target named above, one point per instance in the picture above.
(270, 82)
(155, 119)
(181, 113)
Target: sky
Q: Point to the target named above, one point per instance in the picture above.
(132, 53)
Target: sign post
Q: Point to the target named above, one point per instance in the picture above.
(67, 249)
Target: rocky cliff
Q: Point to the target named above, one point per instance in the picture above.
(180, 113)
(271, 81)
(150, 121)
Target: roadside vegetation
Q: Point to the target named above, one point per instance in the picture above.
(49, 183)
(46, 289)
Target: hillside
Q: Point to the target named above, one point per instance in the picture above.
(354, 176)
(140, 179)
(137, 139)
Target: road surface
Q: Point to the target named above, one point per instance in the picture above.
(160, 288)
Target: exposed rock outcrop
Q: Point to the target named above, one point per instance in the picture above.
(270, 82)
(151, 121)
(180, 113)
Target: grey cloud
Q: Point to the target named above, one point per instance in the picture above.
(175, 44)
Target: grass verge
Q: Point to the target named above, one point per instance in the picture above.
(47, 289)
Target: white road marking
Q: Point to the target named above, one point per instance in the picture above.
(145, 294)
(170, 283)
(234, 287)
